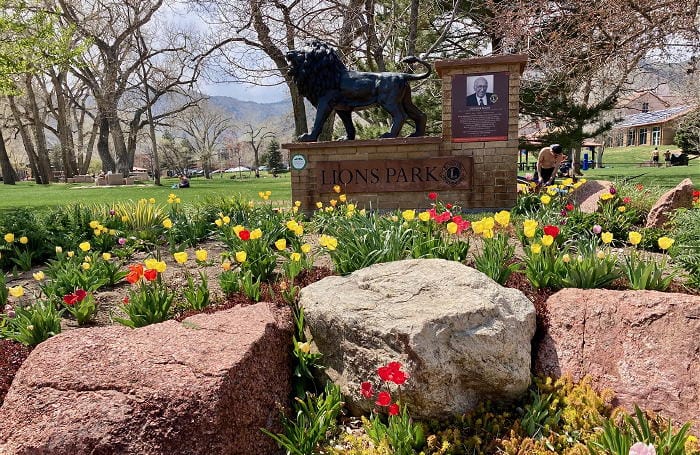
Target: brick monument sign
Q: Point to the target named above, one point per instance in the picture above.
(473, 164)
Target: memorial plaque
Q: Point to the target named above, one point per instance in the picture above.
(430, 174)
(480, 107)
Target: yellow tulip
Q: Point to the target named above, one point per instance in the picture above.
(665, 242)
(180, 257)
(634, 237)
(9, 237)
(97, 232)
(529, 232)
(606, 237)
(226, 219)
(408, 215)
(59, 250)
(336, 188)
(531, 224)
(621, 209)
(546, 199)
(600, 254)
(218, 222)
(177, 200)
(566, 258)
(160, 266)
(452, 227)
(16, 291)
(167, 223)
(226, 265)
(93, 224)
(424, 216)
(292, 225)
(306, 248)
(150, 263)
(84, 246)
(304, 347)
(237, 228)
(23, 240)
(478, 226)
(106, 256)
(547, 240)
(241, 256)
(329, 242)
(342, 198)
(39, 276)
(299, 231)
(297, 203)
(536, 248)
(70, 254)
(351, 207)
(281, 244)
(605, 196)
(201, 255)
(86, 266)
(502, 218)
(319, 205)
(333, 202)
(255, 234)
(487, 234)
(296, 257)
(152, 200)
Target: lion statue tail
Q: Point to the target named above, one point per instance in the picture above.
(416, 77)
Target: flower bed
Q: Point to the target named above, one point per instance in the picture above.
(143, 262)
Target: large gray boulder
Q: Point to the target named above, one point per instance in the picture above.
(203, 386)
(462, 337)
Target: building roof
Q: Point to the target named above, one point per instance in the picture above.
(652, 118)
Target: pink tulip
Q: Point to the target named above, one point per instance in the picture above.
(639, 448)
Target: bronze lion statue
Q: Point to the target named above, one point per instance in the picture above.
(323, 79)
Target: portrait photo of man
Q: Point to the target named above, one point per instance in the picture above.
(478, 91)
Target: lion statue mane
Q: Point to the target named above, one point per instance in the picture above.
(322, 78)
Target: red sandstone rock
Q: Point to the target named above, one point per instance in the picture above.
(203, 386)
(644, 345)
(587, 196)
(680, 196)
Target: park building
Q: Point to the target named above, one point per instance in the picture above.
(647, 119)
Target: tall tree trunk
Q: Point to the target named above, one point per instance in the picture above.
(8, 173)
(299, 109)
(108, 163)
(123, 163)
(26, 140)
(65, 129)
(42, 151)
(413, 28)
(85, 165)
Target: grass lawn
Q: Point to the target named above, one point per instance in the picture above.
(29, 194)
(625, 164)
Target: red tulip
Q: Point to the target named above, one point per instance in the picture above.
(383, 399)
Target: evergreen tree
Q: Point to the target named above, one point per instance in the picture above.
(688, 133)
(274, 155)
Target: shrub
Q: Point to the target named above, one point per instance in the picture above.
(30, 325)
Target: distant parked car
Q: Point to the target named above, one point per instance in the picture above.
(238, 169)
(263, 168)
